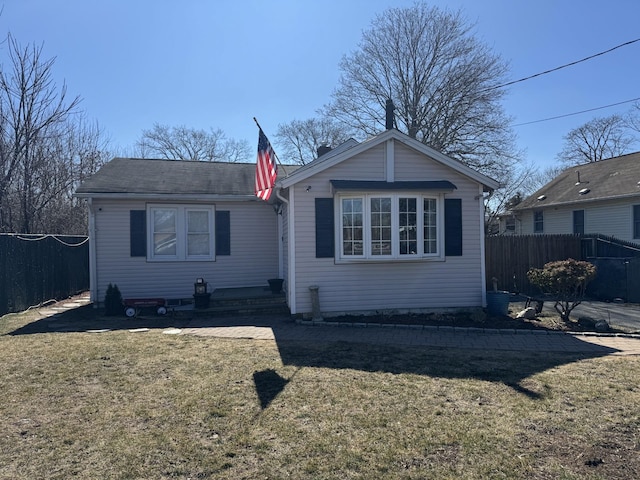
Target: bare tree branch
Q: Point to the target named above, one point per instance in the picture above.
(302, 138)
(598, 139)
(183, 143)
(41, 155)
(438, 75)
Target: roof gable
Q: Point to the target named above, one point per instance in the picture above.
(326, 162)
(614, 178)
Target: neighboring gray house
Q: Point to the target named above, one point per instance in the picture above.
(388, 223)
(600, 197)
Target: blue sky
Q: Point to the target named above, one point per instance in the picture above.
(214, 63)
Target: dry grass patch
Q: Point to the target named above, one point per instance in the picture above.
(148, 405)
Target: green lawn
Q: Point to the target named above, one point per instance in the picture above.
(148, 405)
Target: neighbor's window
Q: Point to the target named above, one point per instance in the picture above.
(538, 221)
(390, 227)
(578, 222)
(180, 232)
(636, 221)
(510, 224)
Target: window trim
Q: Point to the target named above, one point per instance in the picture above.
(395, 256)
(635, 221)
(182, 234)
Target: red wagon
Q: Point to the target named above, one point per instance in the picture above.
(132, 306)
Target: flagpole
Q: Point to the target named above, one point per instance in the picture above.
(274, 152)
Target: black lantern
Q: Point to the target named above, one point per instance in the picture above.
(200, 286)
(200, 296)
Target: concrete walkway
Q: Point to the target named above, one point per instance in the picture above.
(283, 329)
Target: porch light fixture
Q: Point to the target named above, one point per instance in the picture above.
(542, 197)
(584, 191)
(200, 286)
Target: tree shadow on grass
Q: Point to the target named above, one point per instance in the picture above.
(86, 318)
(355, 348)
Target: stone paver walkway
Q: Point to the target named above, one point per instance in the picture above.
(282, 329)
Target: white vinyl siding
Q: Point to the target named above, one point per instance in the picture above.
(253, 259)
(613, 218)
(455, 282)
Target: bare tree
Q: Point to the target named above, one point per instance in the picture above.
(79, 151)
(442, 80)
(302, 138)
(183, 143)
(516, 184)
(598, 139)
(539, 178)
(632, 118)
(38, 166)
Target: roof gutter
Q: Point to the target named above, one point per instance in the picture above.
(167, 196)
(574, 202)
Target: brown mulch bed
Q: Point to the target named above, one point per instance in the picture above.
(544, 321)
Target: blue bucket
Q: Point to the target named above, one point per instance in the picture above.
(498, 303)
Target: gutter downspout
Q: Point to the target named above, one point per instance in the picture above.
(290, 280)
(483, 267)
(93, 274)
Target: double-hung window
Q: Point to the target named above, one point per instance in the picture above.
(390, 226)
(180, 233)
(538, 221)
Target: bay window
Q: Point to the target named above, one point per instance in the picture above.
(390, 226)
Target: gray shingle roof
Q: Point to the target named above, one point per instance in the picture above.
(616, 177)
(171, 177)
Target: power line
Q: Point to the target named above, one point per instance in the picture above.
(562, 66)
(576, 113)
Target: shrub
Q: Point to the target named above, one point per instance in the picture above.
(566, 281)
(113, 301)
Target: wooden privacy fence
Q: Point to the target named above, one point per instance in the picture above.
(37, 268)
(509, 258)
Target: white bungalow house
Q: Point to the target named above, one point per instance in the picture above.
(595, 198)
(386, 224)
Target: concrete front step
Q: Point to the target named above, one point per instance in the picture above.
(276, 300)
(249, 309)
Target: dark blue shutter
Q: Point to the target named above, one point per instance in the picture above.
(138, 233)
(223, 232)
(453, 227)
(325, 247)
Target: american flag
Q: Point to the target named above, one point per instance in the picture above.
(266, 168)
